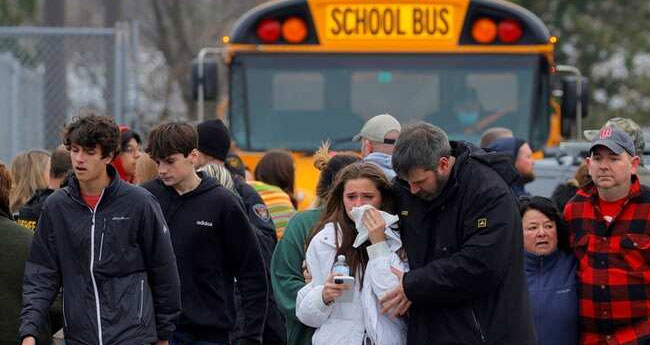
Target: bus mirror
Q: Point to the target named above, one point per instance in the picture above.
(569, 104)
(209, 80)
(570, 97)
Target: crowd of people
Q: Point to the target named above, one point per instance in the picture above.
(118, 238)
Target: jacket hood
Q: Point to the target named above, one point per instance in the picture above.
(207, 183)
(501, 162)
(507, 145)
(384, 161)
(381, 159)
(464, 152)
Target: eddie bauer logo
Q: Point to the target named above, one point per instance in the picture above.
(203, 223)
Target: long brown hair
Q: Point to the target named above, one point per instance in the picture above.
(276, 168)
(335, 213)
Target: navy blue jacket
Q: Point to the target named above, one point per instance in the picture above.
(511, 147)
(552, 286)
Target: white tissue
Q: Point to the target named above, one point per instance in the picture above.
(362, 232)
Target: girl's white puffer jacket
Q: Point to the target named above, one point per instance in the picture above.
(346, 323)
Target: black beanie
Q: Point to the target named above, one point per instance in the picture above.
(214, 139)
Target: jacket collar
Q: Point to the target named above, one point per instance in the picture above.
(590, 191)
(207, 183)
(74, 189)
(535, 263)
(464, 153)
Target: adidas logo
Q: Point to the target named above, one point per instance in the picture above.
(203, 223)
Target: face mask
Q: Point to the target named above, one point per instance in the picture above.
(467, 118)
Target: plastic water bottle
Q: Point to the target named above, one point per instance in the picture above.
(340, 266)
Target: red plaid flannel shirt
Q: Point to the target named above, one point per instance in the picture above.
(614, 267)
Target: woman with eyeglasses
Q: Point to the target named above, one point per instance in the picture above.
(551, 272)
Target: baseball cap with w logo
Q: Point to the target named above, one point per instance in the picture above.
(614, 139)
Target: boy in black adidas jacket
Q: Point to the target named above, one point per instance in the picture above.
(213, 242)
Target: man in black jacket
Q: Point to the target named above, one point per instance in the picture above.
(213, 241)
(462, 234)
(107, 244)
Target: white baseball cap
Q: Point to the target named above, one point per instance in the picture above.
(377, 127)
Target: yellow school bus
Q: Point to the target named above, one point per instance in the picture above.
(303, 71)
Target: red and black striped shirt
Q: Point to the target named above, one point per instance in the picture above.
(614, 266)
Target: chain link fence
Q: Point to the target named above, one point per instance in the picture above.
(47, 75)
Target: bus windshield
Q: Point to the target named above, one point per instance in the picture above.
(295, 101)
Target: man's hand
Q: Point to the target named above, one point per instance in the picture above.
(158, 342)
(394, 302)
(305, 272)
(29, 340)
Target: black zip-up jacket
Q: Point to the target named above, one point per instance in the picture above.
(214, 243)
(115, 263)
(30, 212)
(465, 251)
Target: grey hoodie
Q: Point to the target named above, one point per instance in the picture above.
(382, 160)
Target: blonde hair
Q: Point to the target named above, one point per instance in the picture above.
(145, 169)
(322, 156)
(29, 175)
(221, 174)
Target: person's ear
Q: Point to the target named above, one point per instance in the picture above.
(194, 156)
(443, 166)
(634, 163)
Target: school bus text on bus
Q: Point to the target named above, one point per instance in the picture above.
(386, 21)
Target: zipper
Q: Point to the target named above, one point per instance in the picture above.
(478, 326)
(101, 245)
(65, 321)
(92, 264)
(141, 298)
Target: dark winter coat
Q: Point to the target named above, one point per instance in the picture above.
(214, 244)
(14, 250)
(115, 263)
(465, 251)
(29, 213)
